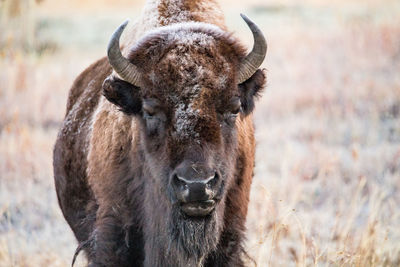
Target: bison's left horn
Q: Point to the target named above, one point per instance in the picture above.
(125, 69)
(255, 58)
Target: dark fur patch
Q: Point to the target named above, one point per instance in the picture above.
(123, 94)
(251, 89)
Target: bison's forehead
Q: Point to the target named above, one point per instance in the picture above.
(188, 61)
(187, 72)
(192, 70)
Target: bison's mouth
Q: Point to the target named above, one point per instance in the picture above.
(198, 209)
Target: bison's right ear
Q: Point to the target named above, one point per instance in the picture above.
(123, 94)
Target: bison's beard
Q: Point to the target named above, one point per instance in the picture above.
(194, 237)
(171, 237)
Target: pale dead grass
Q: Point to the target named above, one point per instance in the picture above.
(327, 180)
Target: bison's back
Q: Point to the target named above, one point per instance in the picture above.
(71, 148)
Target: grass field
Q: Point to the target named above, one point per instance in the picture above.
(326, 190)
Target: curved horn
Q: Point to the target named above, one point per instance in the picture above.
(250, 64)
(125, 69)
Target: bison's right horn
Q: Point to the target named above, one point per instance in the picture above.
(125, 69)
(255, 58)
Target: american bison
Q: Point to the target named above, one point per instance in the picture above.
(154, 160)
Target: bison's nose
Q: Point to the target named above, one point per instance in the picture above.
(195, 190)
(188, 190)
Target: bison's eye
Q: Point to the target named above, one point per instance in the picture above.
(149, 107)
(231, 112)
(235, 105)
(236, 110)
(153, 116)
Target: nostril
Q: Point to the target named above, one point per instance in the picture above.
(213, 182)
(178, 183)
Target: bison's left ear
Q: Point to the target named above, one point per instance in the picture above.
(251, 89)
(123, 94)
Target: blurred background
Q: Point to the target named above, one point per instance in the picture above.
(326, 190)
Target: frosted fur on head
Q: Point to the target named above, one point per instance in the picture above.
(183, 65)
(179, 31)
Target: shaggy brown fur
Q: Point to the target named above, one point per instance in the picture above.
(113, 159)
(173, 11)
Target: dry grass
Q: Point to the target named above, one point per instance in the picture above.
(327, 185)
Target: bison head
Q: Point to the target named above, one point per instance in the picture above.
(190, 87)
